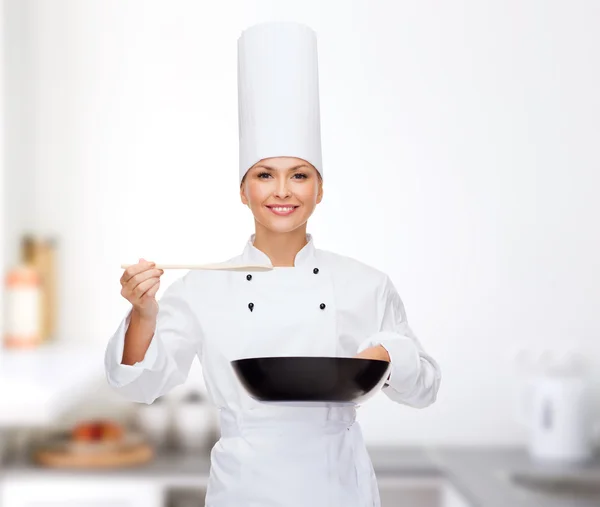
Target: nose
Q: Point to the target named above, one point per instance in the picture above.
(282, 191)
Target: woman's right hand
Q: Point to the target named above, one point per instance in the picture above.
(140, 283)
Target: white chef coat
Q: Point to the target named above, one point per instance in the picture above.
(278, 454)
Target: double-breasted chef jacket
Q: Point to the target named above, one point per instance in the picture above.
(278, 454)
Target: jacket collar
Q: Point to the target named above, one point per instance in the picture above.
(253, 255)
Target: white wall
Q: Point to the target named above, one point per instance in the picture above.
(18, 120)
(2, 163)
(460, 150)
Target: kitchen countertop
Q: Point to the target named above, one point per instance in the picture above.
(40, 385)
(480, 474)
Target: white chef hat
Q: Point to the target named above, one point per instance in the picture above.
(278, 94)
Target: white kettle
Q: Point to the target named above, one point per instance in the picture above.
(557, 413)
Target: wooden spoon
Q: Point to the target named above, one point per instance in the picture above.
(215, 267)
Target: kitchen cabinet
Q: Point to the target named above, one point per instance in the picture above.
(73, 491)
(185, 497)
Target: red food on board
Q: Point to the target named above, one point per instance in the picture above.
(97, 431)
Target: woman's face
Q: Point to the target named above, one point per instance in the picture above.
(282, 192)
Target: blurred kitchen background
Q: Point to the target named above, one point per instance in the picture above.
(460, 142)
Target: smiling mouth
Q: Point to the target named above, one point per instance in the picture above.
(282, 210)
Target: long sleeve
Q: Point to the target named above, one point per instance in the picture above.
(415, 376)
(168, 360)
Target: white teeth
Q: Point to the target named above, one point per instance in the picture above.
(283, 210)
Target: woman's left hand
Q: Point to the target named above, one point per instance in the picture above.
(377, 352)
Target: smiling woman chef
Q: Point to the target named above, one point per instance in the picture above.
(312, 303)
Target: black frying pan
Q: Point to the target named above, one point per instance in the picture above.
(311, 379)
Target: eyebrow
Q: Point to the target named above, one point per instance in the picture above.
(290, 169)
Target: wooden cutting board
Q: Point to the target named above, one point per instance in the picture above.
(114, 455)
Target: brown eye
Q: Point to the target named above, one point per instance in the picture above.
(301, 175)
